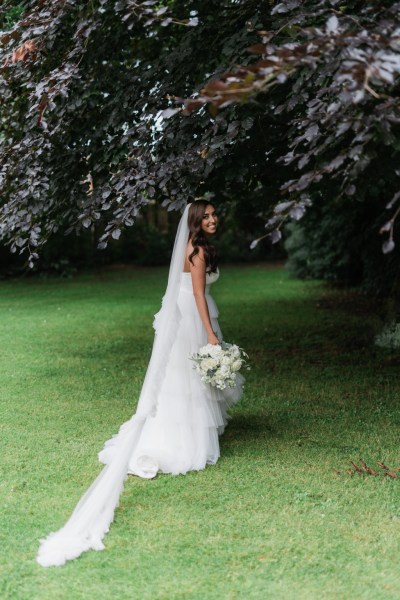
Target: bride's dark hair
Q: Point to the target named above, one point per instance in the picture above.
(197, 235)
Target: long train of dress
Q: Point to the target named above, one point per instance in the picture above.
(179, 436)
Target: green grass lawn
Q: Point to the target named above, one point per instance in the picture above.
(277, 518)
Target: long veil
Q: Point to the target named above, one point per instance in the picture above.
(94, 513)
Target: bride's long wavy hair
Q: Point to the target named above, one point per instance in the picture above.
(198, 237)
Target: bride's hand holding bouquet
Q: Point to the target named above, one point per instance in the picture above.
(212, 339)
(218, 364)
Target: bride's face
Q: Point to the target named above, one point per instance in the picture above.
(209, 221)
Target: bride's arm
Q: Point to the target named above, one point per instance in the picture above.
(198, 272)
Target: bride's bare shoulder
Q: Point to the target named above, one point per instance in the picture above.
(190, 249)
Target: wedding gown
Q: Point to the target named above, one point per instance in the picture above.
(179, 434)
(183, 434)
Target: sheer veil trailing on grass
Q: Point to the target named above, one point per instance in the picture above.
(176, 425)
(92, 516)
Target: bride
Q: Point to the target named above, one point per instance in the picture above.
(178, 418)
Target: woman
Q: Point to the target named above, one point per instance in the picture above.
(178, 418)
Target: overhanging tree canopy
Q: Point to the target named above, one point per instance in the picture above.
(83, 86)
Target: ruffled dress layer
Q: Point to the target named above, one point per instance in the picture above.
(183, 433)
(179, 435)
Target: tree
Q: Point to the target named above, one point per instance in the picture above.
(340, 67)
(81, 135)
(92, 129)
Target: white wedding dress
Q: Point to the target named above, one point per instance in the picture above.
(183, 434)
(177, 422)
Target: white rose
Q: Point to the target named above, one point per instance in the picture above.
(214, 350)
(205, 350)
(236, 365)
(209, 363)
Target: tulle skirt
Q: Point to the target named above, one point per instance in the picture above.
(182, 434)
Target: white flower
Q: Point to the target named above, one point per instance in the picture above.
(206, 349)
(214, 350)
(236, 365)
(218, 365)
(209, 363)
(236, 352)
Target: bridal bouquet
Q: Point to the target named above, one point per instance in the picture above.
(219, 364)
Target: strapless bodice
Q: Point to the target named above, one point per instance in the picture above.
(186, 280)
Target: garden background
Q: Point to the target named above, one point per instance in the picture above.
(286, 116)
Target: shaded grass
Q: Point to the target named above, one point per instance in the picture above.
(273, 519)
